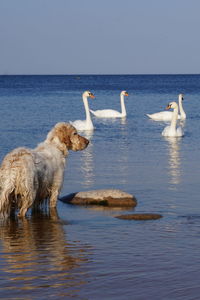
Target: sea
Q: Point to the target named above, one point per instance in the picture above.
(86, 252)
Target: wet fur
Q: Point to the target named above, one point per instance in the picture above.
(29, 177)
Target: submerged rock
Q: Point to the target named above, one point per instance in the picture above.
(140, 217)
(110, 197)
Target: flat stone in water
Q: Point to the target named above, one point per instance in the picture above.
(110, 197)
(140, 217)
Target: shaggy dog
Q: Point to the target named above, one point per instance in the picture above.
(28, 177)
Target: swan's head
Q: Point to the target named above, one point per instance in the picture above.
(124, 93)
(172, 105)
(88, 94)
(181, 97)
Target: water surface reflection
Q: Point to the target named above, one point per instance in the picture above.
(174, 160)
(87, 162)
(35, 255)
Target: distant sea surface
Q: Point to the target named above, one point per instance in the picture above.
(87, 253)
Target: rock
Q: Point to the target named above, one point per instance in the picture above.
(140, 217)
(111, 197)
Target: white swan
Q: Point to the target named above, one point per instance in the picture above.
(111, 113)
(172, 130)
(167, 115)
(87, 124)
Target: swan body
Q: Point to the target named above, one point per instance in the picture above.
(86, 124)
(167, 115)
(111, 113)
(172, 130)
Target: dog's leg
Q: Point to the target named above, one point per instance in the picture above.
(56, 187)
(53, 213)
(22, 211)
(54, 197)
(26, 202)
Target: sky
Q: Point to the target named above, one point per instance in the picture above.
(99, 37)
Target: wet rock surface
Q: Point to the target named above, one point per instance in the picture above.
(140, 217)
(109, 197)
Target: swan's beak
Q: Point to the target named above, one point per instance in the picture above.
(92, 96)
(126, 94)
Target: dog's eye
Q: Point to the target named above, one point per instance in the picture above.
(75, 133)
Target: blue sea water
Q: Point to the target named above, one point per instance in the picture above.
(86, 253)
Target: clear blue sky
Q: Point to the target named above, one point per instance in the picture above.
(99, 36)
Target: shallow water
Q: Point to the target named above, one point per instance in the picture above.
(86, 253)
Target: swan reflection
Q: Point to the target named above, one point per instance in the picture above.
(174, 159)
(87, 162)
(122, 151)
(36, 255)
(123, 121)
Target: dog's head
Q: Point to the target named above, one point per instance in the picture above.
(65, 136)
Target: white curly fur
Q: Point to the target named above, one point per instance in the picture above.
(28, 177)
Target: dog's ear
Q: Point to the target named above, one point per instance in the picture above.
(61, 136)
(63, 133)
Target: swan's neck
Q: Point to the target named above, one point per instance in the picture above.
(182, 113)
(87, 110)
(174, 118)
(123, 108)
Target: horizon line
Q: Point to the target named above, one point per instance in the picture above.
(97, 74)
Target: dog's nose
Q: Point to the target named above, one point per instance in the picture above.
(87, 141)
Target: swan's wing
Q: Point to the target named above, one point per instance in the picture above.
(161, 116)
(82, 125)
(165, 131)
(106, 113)
(78, 124)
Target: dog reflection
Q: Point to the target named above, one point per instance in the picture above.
(36, 250)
